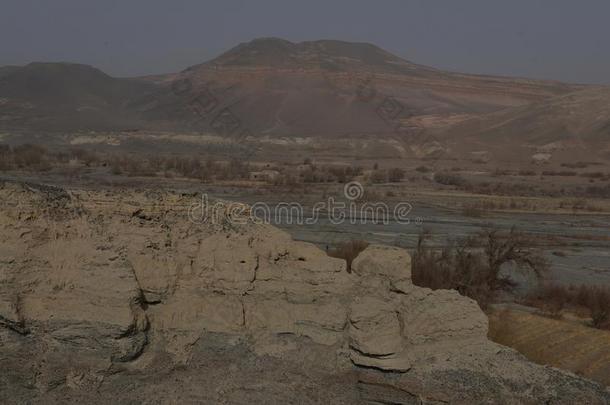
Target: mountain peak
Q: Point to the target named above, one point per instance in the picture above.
(324, 54)
(63, 67)
(269, 51)
(270, 41)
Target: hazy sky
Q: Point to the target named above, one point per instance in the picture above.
(554, 39)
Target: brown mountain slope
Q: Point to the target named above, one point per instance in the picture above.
(62, 96)
(335, 88)
(267, 87)
(5, 70)
(576, 123)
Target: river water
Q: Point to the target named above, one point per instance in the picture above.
(577, 246)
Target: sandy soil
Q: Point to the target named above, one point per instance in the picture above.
(565, 343)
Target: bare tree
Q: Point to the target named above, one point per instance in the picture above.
(473, 266)
(515, 248)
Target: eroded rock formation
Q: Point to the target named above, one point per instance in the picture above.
(118, 296)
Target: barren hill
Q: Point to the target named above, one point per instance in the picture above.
(335, 88)
(326, 89)
(575, 125)
(50, 96)
(324, 55)
(5, 70)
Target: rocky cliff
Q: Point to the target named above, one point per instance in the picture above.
(119, 297)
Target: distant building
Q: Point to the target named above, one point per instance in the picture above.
(304, 168)
(74, 162)
(541, 158)
(264, 175)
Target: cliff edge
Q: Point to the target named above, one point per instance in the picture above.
(118, 296)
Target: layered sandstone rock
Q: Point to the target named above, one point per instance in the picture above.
(121, 294)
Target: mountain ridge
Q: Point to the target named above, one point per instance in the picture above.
(281, 88)
(278, 88)
(59, 95)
